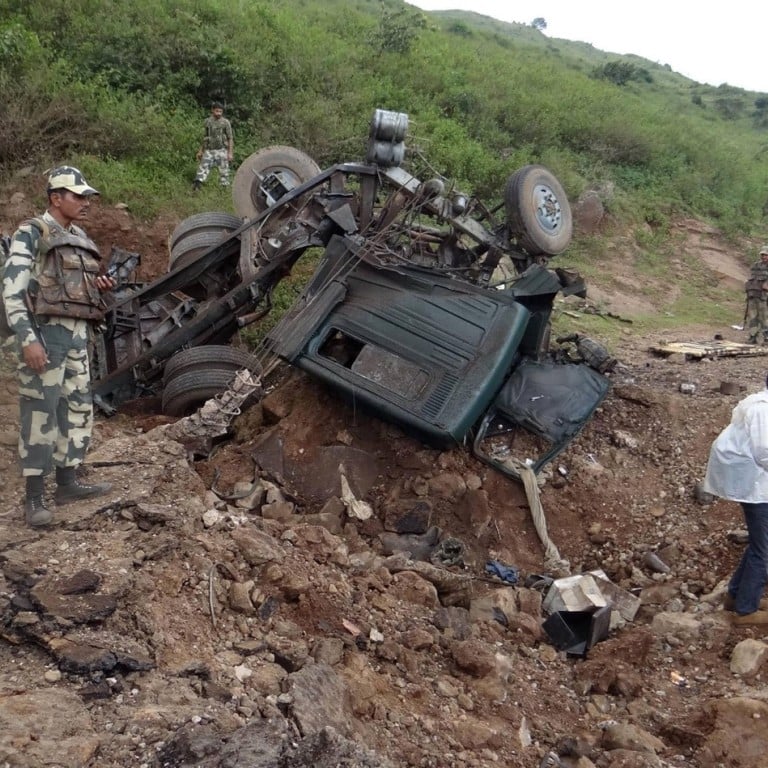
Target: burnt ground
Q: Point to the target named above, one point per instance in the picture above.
(168, 625)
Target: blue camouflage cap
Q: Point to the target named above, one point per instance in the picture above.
(67, 177)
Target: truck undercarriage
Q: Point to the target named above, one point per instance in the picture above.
(425, 306)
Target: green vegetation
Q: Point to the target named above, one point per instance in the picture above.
(120, 87)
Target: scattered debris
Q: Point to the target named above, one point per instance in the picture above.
(574, 593)
(583, 608)
(448, 552)
(575, 632)
(355, 507)
(507, 573)
(590, 309)
(698, 350)
(552, 558)
(353, 629)
(215, 415)
(677, 679)
(578, 348)
(655, 563)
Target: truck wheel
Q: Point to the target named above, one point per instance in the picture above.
(295, 167)
(188, 391)
(213, 281)
(211, 221)
(538, 212)
(194, 245)
(210, 356)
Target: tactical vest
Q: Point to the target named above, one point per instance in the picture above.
(757, 280)
(63, 284)
(754, 288)
(217, 133)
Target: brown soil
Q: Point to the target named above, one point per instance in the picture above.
(214, 617)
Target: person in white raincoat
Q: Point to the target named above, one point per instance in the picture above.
(738, 470)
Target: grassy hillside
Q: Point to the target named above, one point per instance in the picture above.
(121, 87)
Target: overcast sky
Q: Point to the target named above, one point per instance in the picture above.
(711, 43)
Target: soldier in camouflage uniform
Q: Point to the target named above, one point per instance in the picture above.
(52, 286)
(756, 316)
(217, 147)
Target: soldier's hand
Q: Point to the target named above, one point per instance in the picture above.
(35, 356)
(199, 154)
(104, 283)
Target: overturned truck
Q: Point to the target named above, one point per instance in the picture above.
(425, 306)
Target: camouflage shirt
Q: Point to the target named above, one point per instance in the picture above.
(19, 270)
(758, 278)
(218, 133)
(760, 271)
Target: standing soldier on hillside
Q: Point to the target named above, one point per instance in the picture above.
(756, 315)
(52, 285)
(217, 147)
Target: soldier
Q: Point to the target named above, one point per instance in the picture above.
(52, 286)
(217, 147)
(756, 315)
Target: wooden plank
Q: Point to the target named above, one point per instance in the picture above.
(709, 349)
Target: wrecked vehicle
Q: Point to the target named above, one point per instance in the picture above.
(425, 306)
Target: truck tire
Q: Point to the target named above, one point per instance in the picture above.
(213, 282)
(211, 221)
(297, 167)
(194, 245)
(188, 391)
(191, 389)
(209, 357)
(538, 211)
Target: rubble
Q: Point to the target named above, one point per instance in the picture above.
(222, 639)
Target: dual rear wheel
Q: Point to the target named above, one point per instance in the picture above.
(195, 375)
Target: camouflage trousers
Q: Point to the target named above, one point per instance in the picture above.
(211, 158)
(757, 319)
(56, 406)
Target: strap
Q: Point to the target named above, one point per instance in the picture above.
(70, 238)
(41, 224)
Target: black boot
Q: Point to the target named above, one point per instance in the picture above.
(69, 488)
(36, 514)
(196, 184)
